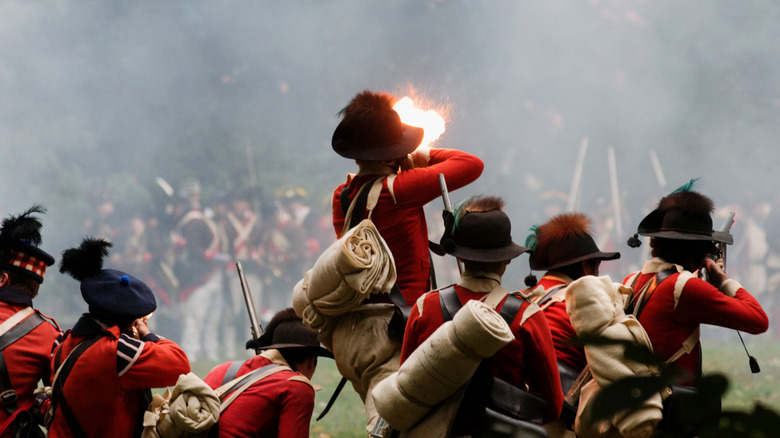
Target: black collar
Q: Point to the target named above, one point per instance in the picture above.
(86, 326)
(12, 294)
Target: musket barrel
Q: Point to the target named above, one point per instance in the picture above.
(257, 330)
(726, 227)
(445, 196)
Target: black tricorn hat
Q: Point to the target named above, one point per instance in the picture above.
(480, 231)
(19, 239)
(683, 215)
(564, 240)
(286, 330)
(372, 130)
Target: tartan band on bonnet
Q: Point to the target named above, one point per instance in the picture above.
(28, 263)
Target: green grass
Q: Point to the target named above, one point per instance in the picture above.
(722, 354)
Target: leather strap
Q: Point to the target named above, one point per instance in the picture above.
(398, 299)
(20, 330)
(333, 397)
(549, 295)
(637, 302)
(58, 396)
(239, 385)
(14, 319)
(232, 371)
(363, 197)
(12, 332)
(511, 308)
(450, 303)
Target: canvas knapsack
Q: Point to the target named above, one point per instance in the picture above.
(174, 414)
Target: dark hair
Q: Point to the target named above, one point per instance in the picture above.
(477, 266)
(25, 283)
(297, 355)
(575, 271)
(688, 253)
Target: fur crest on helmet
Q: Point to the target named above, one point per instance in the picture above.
(686, 201)
(559, 228)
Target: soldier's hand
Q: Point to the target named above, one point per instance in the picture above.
(140, 328)
(717, 275)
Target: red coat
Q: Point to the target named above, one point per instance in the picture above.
(105, 387)
(528, 360)
(279, 405)
(558, 319)
(699, 302)
(402, 224)
(28, 358)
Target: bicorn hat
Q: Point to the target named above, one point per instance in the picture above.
(286, 330)
(564, 240)
(109, 293)
(19, 239)
(683, 215)
(372, 130)
(479, 230)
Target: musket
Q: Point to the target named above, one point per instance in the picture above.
(445, 196)
(726, 227)
(254, 323)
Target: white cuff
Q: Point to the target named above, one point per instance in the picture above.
(730, 287)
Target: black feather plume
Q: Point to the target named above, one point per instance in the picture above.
(86, 260)
(24, 227)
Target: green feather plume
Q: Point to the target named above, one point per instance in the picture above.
(458, 213)
(687, 187)
(532, 239)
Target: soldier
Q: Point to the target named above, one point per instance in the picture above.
(280, 404)
(479, 234)
(564, 248)
(669, 298)
(285, 246)
(372, 134)
(199, 274)
(241, 226)
(103, 368)
(27, 335)
(682, 242)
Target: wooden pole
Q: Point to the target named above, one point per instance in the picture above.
(574, 192)
(659, 172)
(615, 192)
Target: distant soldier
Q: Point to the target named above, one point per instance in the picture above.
(26, 336)
(281, 403)
(479, 234)
(201, 292)
(241, 226)
(104, 367)
(385, 149)
(564, 248)
(285, 251)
